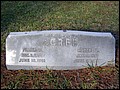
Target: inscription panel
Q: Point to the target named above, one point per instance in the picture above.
(59, 50)
(87, 55)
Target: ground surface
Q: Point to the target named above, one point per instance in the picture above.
(53, 15)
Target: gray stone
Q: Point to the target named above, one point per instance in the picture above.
(58, 50)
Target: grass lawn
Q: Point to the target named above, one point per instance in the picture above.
(20, 16)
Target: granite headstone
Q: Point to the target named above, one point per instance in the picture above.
(59, 50)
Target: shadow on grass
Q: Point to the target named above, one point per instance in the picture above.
(15, 11)
(9, 14)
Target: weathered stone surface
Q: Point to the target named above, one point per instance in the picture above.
(59, 50)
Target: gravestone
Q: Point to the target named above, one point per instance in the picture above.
(59, 50)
